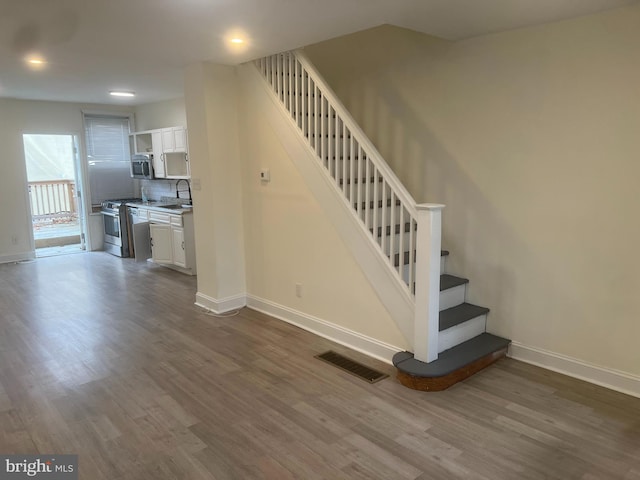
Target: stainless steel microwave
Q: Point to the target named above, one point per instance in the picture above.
(141, 166)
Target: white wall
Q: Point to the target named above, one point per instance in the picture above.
(168, 113)
(212, 104)
(531, 139)
(260, 240)
(290, 240)
(16, 118)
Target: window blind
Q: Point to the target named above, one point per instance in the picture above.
(108, 157)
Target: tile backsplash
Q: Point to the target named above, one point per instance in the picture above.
(159, 189)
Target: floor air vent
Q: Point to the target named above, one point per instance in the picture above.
(349, 366)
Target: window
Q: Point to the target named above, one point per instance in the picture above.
(107, 141)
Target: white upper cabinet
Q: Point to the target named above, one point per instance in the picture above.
(140, 143)
(159, 170)
(169, 148)
(174, 139)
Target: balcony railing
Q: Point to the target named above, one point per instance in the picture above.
(51, 199)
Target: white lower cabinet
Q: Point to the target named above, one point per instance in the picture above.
(179, 254)
(172, 241)
(161, 243)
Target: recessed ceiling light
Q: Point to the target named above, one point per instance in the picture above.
(117, 93)
(237, 40)
(35, 62)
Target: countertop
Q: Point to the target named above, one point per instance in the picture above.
(162, 207)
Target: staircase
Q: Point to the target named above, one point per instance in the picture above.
(395, 240)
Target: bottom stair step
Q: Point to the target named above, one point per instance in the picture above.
(452, 366)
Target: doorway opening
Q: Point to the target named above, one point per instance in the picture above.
(54, 193)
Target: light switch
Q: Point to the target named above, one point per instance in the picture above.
(265, 175)
(195, 184)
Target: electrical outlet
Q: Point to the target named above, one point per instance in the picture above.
(299, 290)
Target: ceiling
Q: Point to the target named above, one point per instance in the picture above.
(94, 46)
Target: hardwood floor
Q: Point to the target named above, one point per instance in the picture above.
(110, 359)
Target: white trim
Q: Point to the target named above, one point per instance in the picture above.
(223, 305)
(354, 340)
(606, 377)
(427, 298)
(18, 257)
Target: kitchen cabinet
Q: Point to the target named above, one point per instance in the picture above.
(141, 143)
(169, 148)
(175, 152)
(161, 243)
(174, 139)
(177, 165)
(177, 241)
(172, 240)
(158, 157)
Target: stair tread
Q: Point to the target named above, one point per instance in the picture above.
(396, 258)
(449, 281)
(459, 314)
(453, 359)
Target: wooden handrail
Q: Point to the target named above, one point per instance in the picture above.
(363, 179)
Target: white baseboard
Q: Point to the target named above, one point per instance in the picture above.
(223, 305)
(614, 379)
(18, 257)
(354, 340)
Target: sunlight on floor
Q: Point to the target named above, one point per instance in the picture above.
(63, 250)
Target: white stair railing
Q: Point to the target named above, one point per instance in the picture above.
(407, 235)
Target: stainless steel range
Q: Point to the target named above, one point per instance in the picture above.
(116, 232)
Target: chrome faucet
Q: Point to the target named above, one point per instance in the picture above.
(188, 187)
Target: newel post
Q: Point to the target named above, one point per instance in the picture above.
(428, 243)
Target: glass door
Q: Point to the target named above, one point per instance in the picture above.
(54, 186)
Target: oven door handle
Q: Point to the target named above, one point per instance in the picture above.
(110, 214)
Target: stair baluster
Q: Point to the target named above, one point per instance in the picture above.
(377, 198)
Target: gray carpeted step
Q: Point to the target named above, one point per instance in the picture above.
(453, 359)
(460, 314)
(449, 281)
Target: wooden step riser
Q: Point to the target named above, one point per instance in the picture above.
(461, 333)
(437, 384)
(452, 297)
